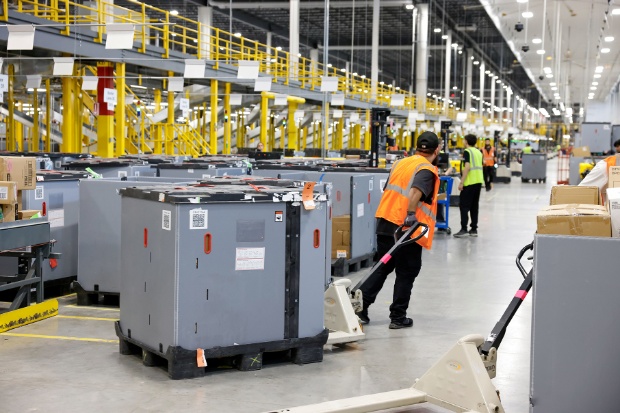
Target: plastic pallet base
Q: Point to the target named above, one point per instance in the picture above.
(86, 298)
(342, 267)
(516, 173)
(181, 363)
(502, 179)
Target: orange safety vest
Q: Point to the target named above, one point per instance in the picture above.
(395, 200)
(488, 157)
(612, 161)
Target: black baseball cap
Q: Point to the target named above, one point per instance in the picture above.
(427, 141)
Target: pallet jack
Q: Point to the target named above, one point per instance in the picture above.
(342, 302)
(460, 381)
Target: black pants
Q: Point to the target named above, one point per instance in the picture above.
(469, 201)
(407, 261)
(489, 173)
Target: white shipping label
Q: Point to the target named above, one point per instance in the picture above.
(56, 218)
(166, 220)
(247, 259)
(39, 193)
(341, 254)
(382, 183)
(371, 184)
(206, 176)
(198, 219)
(4, 193)
(360, 210)
(190, 171)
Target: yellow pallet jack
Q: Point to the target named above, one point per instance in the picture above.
(460, 381)
(342, 302)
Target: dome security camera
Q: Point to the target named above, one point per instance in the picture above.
(525, 48)
(519, 27)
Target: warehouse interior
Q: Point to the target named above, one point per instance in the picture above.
(193, 196)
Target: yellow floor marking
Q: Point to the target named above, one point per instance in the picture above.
(28, 315)
(68, 296)
(80, 317)
(94, 340)
(82, 307)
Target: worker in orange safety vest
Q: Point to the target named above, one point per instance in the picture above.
(488, 164)
(599, 175)
(409, 197)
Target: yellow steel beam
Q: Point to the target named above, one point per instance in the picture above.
(119, 114)
(213, 124)
(67, 115)
(304, 140)
(19, 131)
(48, 115)
(156, 134)
(227, 120)
(293, 130)
(35, 122)
(105, 120)
(10, 125)
(367, 131)
(264, 117)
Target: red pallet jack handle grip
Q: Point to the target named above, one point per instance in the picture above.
(497, 334)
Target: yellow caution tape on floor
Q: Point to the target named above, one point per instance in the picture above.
(28, 315)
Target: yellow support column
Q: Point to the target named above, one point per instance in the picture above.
(119, 115)
(264, 117)
(105, 120)
(19, 131)
(48, 116)
(340, 133)
(10, 123)
(304, 139)
(67, 115)
(227, 120)
(169, 138)
(293, 131)
(35, 123)
(79, 117)
(156, 137)
(357, 130)
(367, 132)
(213, 125)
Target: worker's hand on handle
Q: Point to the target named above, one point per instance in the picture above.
(461, 186)
(411, 220)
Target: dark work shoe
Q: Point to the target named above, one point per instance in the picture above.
(363, 317)
(473, 233)
(461, 234)
(405, 322)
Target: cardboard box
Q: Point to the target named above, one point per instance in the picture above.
(8, 213)
(442, 197)
(614, 177)
(613, 207)
(21, 170)
(568, 194)
(574, 219)
(8, 192)
(346, 238)
(582, 152)
(341, 223)
(27, 214)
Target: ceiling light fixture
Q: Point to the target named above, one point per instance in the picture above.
(609, 39)
(537, 40)
(599, 69)
(549, 75)
(445, 37)
(594, 83)
(540, 51)
(527, 14)
(615, 12)
(605, 50)
(521, 1)
(476, 62)
(410, 7)
(174, 12)
(437, 30)
(237, 34)
(593, 88)
(597, 76)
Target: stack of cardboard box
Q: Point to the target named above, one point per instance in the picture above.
(341, 237)
(575, 210)
(16, 175)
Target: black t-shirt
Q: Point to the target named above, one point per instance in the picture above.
(466, 157)
(424, 181)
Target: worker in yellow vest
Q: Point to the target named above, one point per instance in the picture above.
(528, 148)
(409, 197)
(489, 161)
(599, 175)
(470, 187)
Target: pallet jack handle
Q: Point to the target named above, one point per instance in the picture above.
(497, 335)
(401, 237)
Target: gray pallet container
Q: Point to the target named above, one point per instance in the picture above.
(534, 167)
(596, 136)
(574, 361)
(57, 195)
(202, 170)
(114, 168)
(99, 235)
(221, 268)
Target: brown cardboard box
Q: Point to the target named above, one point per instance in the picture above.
(8, 192)
(567, 194)
(20, 198)
(341, 223)
(346, 238)
(614, 177)
(574, 219)
(27, 214)
(582, 152)
(8, 213)
(442, 197)
(21, 170)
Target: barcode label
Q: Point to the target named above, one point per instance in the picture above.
(198, 219)
(166, 220)
(371, 184)
(206, 176)
(4, 193)
(38, 193)
(30, 176)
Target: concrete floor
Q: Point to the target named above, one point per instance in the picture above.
(70, 363)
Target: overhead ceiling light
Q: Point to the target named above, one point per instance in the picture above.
(476, 62)
(562, 106)
(609, 39)
(174, 12)
(445, 36)
(280, 48)
(487, 72)
(409, 6)
(594, 83)
(556, 112)
(237, 34)
(552, 84)
(521, 1)
(498, 81)
(454, 88)
(536, 40)
(547, 69)
(137, 87)
(593, 88)
(527, 14)
(540, 51)
(544, 112)
(549, 75)
(460, 52)
(605, 50)
(599, 69)
(437, 30)
(455, 45)
(554, 88)
(597, 76)
(615, 12)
